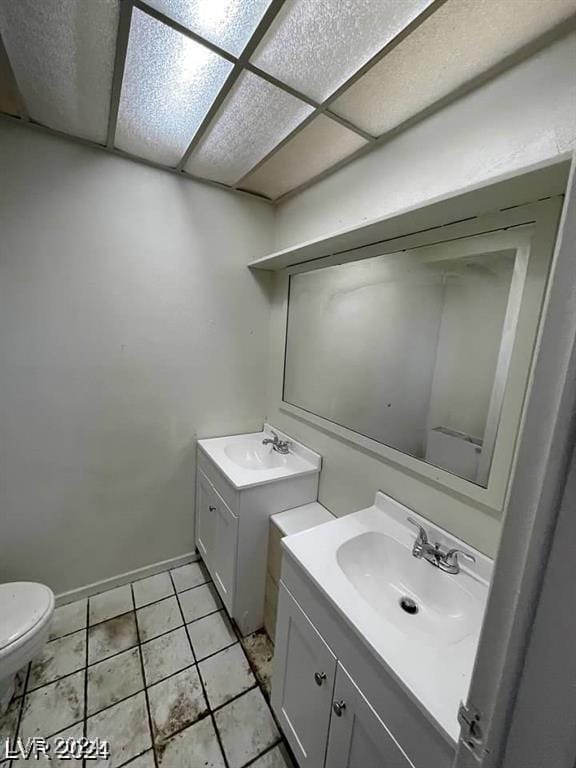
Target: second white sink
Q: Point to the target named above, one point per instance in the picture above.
(416, 598)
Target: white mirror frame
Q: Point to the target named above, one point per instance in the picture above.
(535, 226)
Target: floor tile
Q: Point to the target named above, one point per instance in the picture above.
(188, 576)
(152, 589)
(275, 758)
(260, 651)
(199, 602)
(166, 655)
(143, 761)
(114, 679)
(225, 675)
(211, 634)
(68, 618)
(8, 725)
(58, 753)
(195, 747)
(58, 658)
(246, 728)
(54, 707)
(111, 637)
(112, 603)
(125, 726)
(175, 703)
(156, 619)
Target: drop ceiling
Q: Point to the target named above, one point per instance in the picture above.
(261, 96)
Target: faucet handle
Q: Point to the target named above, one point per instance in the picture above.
(422, 535)
(453, 554)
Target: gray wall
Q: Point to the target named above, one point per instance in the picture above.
(128, 326)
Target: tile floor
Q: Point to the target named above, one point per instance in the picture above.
(156, 668)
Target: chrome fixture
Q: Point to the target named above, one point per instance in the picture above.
(282, 446)
(435, 554)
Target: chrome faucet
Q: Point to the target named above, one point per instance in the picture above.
(281, 446)
(435, 554)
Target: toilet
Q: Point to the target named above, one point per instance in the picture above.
(26, 611)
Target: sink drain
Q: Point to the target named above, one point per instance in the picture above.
(408, 605)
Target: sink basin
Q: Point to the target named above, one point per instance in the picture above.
(247, 463)
(410, 593)
(251, 454)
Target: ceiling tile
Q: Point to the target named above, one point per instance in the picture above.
(458, 42)
(255, 117)
(315, 148)
(170, 82)
(226, 23)
(316, 45)
(62, 55)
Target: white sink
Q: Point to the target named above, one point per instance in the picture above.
(413, 595)
(252, 454)
(247, 462)
(363, 564)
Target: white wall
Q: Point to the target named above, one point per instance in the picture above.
(526, 115)
(128, 326)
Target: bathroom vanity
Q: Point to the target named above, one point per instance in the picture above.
(361, 679)
(241, 481)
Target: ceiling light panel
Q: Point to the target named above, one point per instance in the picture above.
(170, 82)
(62, 55)
(458, 42)
(316, 45)
(255, 117)
(314, 149)
(228, 24)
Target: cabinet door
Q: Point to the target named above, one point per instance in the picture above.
(302, 682)
(206, 507)
(358, 738)
(225, 546)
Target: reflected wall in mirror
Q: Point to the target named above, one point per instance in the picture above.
(411, 349)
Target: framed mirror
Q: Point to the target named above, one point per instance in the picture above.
(421, 354)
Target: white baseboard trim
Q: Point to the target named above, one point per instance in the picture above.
(124, 578)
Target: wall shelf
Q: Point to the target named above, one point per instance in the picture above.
(502, 192)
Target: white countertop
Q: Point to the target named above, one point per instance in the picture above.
(301, 460)
(435, 674)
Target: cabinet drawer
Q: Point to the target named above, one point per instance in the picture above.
(303, 679)
(227, 492)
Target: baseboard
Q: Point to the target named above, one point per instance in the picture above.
(124, 578)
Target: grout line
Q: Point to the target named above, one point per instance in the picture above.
(85, 723)
(144, 678)
(210, 713)
(22, 703)
(265, 752)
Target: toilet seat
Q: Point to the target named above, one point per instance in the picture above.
(24, 608)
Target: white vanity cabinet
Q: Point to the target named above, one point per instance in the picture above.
(232, 522)
(337, 708)
(216, 538)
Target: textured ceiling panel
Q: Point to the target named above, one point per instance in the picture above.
(255, 117)
(315, 148)
(10, 101)
(316, 45)
(226, 23)
(458, 42)
(62, 55)
(169, 84)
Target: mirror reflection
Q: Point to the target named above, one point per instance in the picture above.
(410, 349)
